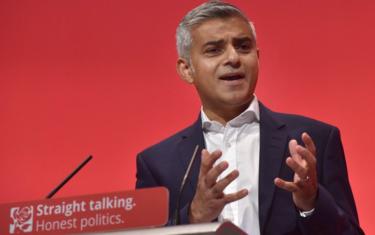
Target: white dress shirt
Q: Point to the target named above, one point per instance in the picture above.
(239, 142)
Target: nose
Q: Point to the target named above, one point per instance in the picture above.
(233, 58)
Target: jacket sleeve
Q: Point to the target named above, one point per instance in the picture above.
(145, 179)
(144, 176)
(335, 211)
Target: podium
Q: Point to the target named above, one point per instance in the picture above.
(217, 228)
(125, 212)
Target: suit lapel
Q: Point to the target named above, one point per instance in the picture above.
(192, 138)
(273, 143)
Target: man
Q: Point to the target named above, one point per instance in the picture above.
(267, 172)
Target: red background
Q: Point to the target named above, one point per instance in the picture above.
(98, 77)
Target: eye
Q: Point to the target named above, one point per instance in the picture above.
(244, 47)
(211, 51)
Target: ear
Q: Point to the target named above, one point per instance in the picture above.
(184, 70)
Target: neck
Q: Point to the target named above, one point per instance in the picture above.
(224, 114)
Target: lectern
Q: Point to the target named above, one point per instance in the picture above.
(125, 212)
(218, 228)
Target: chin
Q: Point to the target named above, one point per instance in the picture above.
(239, 100)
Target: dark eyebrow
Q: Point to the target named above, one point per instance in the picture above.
(220, 42)
(242, 40)
(214, 43)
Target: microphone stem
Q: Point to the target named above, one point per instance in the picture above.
(54, 191)
(176, 215)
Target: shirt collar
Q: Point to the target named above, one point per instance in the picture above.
(251, 114)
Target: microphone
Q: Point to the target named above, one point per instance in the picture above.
(176, 214)
(55, 190)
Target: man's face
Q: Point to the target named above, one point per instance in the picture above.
(224, 62)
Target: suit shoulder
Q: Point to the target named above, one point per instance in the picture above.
(169, 143)
(300, 120)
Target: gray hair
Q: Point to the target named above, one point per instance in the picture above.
(204, 12)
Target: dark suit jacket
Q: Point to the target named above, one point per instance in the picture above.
(165, 163)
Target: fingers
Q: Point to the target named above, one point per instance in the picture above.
(228, 198)
(288, 186)
(301, 171)
(209, 199)
(213, 174)
(292, 147)
(309, 151)
(302, 158)
(219, 187)
(309, 143)
(307, 156)
(302, 161)
(208, 160)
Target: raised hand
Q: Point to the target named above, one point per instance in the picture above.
(209, 199)
(302, 161)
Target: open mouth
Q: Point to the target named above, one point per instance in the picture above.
(232, 76)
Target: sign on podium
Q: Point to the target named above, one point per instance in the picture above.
(88, 213)
(143, 211)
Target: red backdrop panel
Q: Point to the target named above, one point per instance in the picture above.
(98, 77)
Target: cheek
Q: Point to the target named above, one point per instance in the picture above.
(205, 71)
(253, 68)
(254, 72)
